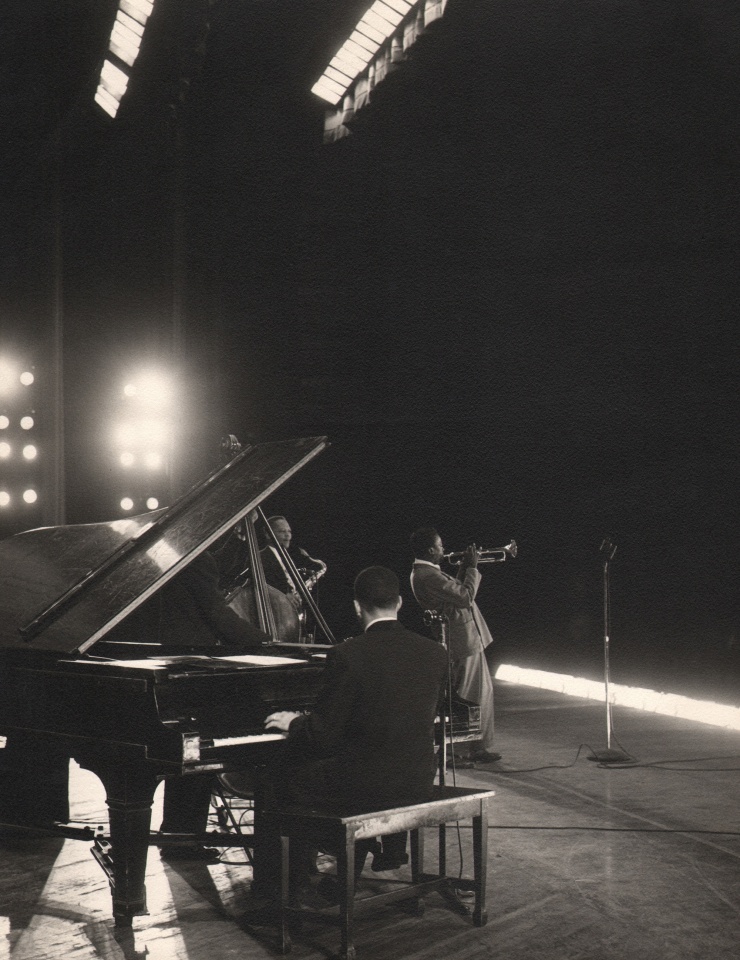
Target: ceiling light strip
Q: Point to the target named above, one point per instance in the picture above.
(379, 22)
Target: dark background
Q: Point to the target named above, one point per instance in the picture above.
(509, 298)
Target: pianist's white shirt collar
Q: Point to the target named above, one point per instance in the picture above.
(378, 619)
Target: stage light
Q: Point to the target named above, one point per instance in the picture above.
(27, 378)
(125, 38)
(30, 452)
(7, 377)
(152, 503)
(30, 496)
(4, 498)
(152, 388)
(4, 423)
(127, 503)
(379, 42)
(143, 439)
(5, 450)
(124, 46)
(112, 86)
(26, 423)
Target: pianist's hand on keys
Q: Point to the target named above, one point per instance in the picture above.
(280, 720)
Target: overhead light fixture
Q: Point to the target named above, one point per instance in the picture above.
(123, 49)
(376, 45)
(376, 26)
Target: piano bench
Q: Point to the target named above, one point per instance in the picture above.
(335, 831)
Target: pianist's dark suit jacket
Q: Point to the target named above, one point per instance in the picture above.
(369, 739)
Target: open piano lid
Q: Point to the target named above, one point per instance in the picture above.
(66, 587)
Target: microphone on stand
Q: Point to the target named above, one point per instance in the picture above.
(607, 548)
(610, 754)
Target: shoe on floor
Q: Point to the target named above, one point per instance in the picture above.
(189, 851)
(484, 756)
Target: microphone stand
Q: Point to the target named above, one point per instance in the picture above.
(434, 617)
(611, 754)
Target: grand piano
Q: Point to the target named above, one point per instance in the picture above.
(77, 681)
(80, 679)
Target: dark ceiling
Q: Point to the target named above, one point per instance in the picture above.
(510, 295)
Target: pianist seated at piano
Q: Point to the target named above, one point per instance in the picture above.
(368, 741)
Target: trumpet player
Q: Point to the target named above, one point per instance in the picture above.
(468, 634)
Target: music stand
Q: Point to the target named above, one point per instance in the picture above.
(611, 754)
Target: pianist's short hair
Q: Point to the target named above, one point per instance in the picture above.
(377, 588)
(422, 539)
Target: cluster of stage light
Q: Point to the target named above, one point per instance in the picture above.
(18, 447)
(376, 46)
(123, 49)
(375, 27)
(143, 437)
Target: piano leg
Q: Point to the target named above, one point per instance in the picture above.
(129, 794)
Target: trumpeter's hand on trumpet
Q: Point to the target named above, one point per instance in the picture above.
(470, 557)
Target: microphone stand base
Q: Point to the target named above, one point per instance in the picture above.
(610, 755)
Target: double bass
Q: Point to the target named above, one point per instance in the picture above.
(244, 583)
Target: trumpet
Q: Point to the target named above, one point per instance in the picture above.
(496, 555)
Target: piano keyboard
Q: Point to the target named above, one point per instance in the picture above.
(249, 738)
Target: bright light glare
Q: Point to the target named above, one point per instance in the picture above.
(30, 496)
(30, 451)
(127, 503)
(4, 498)
(666, 704)
(153, 461)
(7, 376)
(153, 389)
(26, 423)
(27, 378)
(142, 433)
(4, 450)
(152, 503)
(127, 459)
(4, 423)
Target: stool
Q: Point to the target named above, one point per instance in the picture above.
(340, 832)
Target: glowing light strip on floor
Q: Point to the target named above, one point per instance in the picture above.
(666, 704)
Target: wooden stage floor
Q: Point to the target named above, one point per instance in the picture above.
(585, 862)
